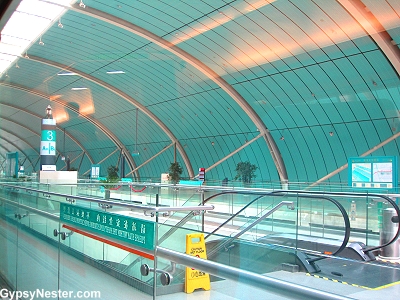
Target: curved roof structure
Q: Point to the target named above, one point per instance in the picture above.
(294, 89)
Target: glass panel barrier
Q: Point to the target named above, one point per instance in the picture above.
(251, 231)
(8, 242)
(20, 246)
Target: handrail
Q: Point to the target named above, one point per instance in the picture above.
(32, 209)
(228, 241)
(189, 216)
(148, 210)
(273, 285)
(176, 227)
(233, 216)
(283, 193)
(264, 282)
(154, 210)
(386, 198)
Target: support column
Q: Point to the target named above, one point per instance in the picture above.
(48, 142)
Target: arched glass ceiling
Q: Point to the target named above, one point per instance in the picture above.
(311, 76)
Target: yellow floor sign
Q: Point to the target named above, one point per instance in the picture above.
(195, 279)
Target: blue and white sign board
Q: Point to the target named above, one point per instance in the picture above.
(374, 172)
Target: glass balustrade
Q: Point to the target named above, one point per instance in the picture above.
(259, 231)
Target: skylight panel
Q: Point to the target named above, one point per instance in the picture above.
(29, 22)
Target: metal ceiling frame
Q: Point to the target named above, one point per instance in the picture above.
(203, 68)
(115, 150)
(2, 154)
(373, 149)
(19, 124)
(7, 8)
(132, 101)
(355, 8)
(151, 158)
(35, 133)
(40, 117)
(233, 152)
(19, 149)
(72, 160)
(24, 141)
(360, 12)
(4, 157)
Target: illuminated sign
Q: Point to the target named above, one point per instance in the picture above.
(373, 172)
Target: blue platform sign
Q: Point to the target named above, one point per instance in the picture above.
(136, 232)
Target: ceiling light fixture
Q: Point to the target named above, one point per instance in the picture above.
(115, 72)
(16, 65)
(81, 4)
(78, 89)
(41, 42)
(66, 74)
(59, 24)
(26, 55)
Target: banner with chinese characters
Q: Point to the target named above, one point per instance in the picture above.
(137, 232)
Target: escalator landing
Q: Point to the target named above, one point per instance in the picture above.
(372, 275)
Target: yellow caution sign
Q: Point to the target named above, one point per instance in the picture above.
(195, 279)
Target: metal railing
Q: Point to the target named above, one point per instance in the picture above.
(272, 285)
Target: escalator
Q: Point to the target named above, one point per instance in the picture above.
(337, 260)
(265, 254)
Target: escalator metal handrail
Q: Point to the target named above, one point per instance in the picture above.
(283, 193)
(396, 236)
(190, 215)
(228, 241)
(173, 229)
(386, 198)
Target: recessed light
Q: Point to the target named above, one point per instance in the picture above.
(78, 89)
(115, 72)
(66, 74)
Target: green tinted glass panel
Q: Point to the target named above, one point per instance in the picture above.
(131, 230)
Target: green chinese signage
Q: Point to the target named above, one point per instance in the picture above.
(134, 231)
